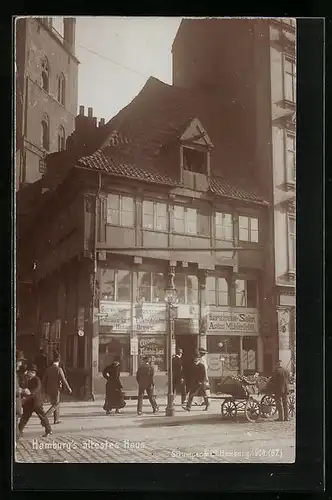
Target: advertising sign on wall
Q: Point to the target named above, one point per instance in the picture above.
(283, 328)
(115, 314)
(152, 318)
(214, 364)
(238, 321)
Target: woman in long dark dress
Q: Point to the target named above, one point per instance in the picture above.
(114, 398)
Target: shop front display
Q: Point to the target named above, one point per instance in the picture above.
(155, 347)
(111, 346)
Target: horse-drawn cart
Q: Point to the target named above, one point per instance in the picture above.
(251, 396)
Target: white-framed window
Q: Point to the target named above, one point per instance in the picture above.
(155, 215)
(45, 74)
(290, 79)
(184, 220)
(61, 139)
(115, 285)
(61, 89)
(245, 293)
(120, 210)
(216, 291)
(224, 226)
(248, 229)
(290, 157)
(151, 287)
(291, 242)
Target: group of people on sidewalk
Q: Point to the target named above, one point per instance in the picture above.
(33, 381)
(196, 385)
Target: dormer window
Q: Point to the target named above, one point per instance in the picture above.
(195, 161)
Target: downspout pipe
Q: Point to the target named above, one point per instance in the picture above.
(94, 276)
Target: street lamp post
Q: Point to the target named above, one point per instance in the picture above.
(170, 299)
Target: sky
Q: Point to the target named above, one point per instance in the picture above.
(142, 44)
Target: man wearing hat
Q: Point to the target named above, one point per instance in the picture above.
(54, 381)
(198, 383)
(145, 380)
(178, 376)
(32, 402)
(280, 384)
(21, 390)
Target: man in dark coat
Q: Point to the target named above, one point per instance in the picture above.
(178, 376)
(41, 362)
(279, 382)
(32, 403)
(54, 381)
(20, 389)
(198, 384)
(145, 380)
(114, 397)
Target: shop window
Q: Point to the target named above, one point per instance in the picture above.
(184, 220)
(111, 346)
(246, 293)
(186, 288)
(61, 139)
(290, 79)
(291, 243)
(155, 348)
(151, 287)
(230, 352)
(224, 226)
(249, 355)
(70, 342)
(120, 210)
(155, 216)
(216, 291)
(195, 161)
(248, 229)
(115, 285)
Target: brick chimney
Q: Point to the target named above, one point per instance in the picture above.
(69, 27)
(83, 138)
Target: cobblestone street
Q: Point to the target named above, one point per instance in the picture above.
(86, 434)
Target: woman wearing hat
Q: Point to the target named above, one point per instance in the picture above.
(114, 397)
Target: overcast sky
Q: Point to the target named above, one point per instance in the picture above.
(142, 44)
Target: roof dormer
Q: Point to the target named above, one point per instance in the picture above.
(195, 152)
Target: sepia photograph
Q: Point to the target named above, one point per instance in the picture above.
(155, 280)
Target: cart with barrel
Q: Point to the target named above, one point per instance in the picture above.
(251, 396)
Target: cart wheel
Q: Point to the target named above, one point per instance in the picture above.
(268, 406)
(228, 409)
(291, 405)
(252, 410)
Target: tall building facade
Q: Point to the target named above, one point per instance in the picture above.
(46, 93)
(249, 67)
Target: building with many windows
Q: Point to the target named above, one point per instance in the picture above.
(248, 66)
(130, 202)
(46, 92)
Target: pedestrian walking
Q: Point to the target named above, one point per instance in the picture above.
(56, 355)
(54, 381)
(32, 403)
(114, 398)
(145, 380)
(41, 362)
(202, 354)
(279, 383)
(178, 376)
(21, 389)
(198, 384)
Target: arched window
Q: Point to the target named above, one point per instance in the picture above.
(61, 89)
(45, 133)
(45, 74)
(61, 139)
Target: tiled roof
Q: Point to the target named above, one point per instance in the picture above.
(228, 190)
(118, 168)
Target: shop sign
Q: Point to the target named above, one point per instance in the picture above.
(214, 365)
(116, 315)
(283, 328)
(152, 319)
(241, 321)
(154, 348)
(287, 300)
(134, 346)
